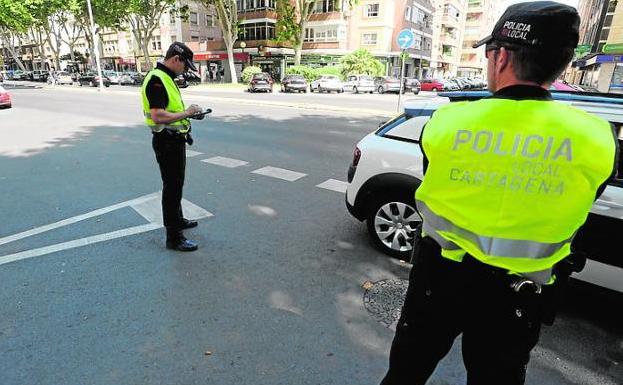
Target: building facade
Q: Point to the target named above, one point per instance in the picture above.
(479, 22)
(416, 15)
(448, 26)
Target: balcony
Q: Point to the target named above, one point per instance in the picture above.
(450, 40)
(450, 21)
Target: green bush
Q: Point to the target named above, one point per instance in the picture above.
(362, 62)
(248, 72)
(330, 70)
(308, 72)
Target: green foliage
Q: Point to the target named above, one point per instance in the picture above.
(361, 62)
(248, 72)
(287, 29)
(311, 74)
(15, 16)
(308, 72)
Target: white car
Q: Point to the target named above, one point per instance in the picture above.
(327, 83)
(63, 77)
(387, 168)
(113, 76)
(359, 83)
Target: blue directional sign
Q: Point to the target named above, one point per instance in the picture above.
(406, 39)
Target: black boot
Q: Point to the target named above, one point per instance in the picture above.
(186, 224)
(177, 241)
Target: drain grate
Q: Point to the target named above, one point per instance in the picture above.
(384, 299)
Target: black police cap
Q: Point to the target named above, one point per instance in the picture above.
(539, 24)
(184, 52)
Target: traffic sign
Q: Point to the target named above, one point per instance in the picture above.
(406, 39)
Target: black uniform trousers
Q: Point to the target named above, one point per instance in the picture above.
(446, 298)
(170, 152)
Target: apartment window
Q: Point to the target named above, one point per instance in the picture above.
(418, 16)
(408, 13)
(172, 18)
(452, 11)
(193, 18)
(612, 6)
(608, 21)
(257, 31)
(368, 39)
(194, 38)
(417, 43)
(210, 20)
(156, 45)
(371, 10)
(324, 6)
(604, 34)
(173, 38)
(309, 35)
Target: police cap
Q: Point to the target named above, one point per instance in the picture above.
(182, 50)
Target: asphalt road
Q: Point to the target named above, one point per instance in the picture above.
(273, 296)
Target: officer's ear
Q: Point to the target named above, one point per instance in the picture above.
(503, 59)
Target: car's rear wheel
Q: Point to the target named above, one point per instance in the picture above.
(434, 89)
(392, 221)
(381, 90)
(355, 90)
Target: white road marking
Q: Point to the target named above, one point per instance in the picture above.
(78, 243)
(334, 185)
(77, 218)
(147, 206)
(225, 162)
(191, 153)
(279, 173)
(151, 210)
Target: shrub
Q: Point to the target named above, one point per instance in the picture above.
(248, 72)
(308, 72)
(361, 61)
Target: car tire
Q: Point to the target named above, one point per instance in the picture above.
(392, 221)
(355, 90)
(434, 89)
(381, 90)
(416, 92)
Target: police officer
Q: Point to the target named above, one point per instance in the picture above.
(167, 117)
(508, 181)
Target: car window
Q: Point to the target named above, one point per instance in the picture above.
(407, 128)
(366, 78)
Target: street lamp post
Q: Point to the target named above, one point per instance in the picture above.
(243, 45)
(97, 54)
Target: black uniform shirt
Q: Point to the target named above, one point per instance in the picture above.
(155, 91)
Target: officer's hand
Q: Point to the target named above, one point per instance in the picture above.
(193, 109)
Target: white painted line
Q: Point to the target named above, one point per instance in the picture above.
(78, 218)
(191, 153)
(151, 210)
(334, 185)
(225, 162)
(279, 173)
(78, 243)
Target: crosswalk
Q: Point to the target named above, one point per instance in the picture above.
(268, 171)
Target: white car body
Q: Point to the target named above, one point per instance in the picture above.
(359, 83)
(392, 158)
(113, 76)
(63, 78)
(327, 83)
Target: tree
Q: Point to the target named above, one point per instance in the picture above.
(227, 18)
(15, 18)
(361, 61)
(294, 18)
(144, 17)
(44, 29)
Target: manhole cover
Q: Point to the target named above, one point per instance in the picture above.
(384, 300)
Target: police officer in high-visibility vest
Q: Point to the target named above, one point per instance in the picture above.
(169, 121)
(508, 182)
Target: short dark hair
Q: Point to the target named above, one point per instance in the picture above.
(171, 53)
(539, 65)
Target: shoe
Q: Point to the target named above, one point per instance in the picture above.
(182, 245)
(186, 224)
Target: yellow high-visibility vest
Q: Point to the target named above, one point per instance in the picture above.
(176, 104)
(510, 182)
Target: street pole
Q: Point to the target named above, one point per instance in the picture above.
(95, 48)
(402, 75)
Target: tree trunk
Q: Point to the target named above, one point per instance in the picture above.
(298, 52)
(229, 43)
(9, 45)
(145, 49)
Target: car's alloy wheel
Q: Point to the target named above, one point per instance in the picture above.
(381, 90)
(392, 226)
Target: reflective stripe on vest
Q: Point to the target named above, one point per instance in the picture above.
(175, 103)
(510, 182)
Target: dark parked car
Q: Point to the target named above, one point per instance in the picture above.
(186, 79)
(40, 75)
(294, 83)
(131, 79)
(93, 80)
(412, 85)
(261, 82)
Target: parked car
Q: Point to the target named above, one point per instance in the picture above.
(40, 76)
(131, 79)
(385, 84)
(63, 77)
(327, 83)
(412, 85)
(18, 75)
(387, 169)
(438, 85)
(261, 82)
(294, 83)
(113, 76)
(5, 98)
(93, 80)
(181, 81)
(359, 83)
